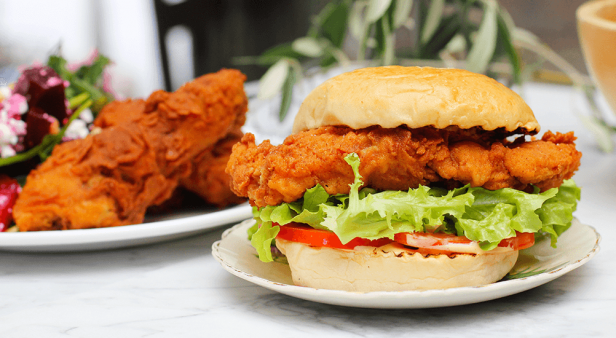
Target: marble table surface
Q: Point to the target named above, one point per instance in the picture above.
(177, 289)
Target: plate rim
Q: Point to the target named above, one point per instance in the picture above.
(29, 241)
(513, 285)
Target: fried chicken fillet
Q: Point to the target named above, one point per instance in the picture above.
(206, 174)
(396, 159)
(136, 159)
(208, 178)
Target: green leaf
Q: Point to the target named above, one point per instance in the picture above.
(58, 64)
(523, 35)
(365, 42)
(504, 32)
(287, 93)
(92, 74)
(389, 42)
(449, 27)
(380, 36)
(457, 44)
(308, 46)
(484, 44)
(335, 55)
(278, 52)
(497, 214)
(273, 80)
(78, 100)
(317, 21)
(389, 16)
(402, 12)
(314, 197)
(433, 20)
(335, 24)
(376, 9)
(262, 240)
(356, 21)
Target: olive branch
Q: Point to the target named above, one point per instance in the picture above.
(478, 35)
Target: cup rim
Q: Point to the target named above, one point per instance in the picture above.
(587, 12)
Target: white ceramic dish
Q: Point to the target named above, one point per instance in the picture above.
(165, 228)
(536, 265)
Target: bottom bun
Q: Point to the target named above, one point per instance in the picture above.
(391, 268)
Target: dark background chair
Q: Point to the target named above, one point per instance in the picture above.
(223, 29)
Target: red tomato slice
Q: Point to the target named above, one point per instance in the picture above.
(428, 243)
(521, 241)
(446, 243)
(296, 232)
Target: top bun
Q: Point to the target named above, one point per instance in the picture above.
(416, 97)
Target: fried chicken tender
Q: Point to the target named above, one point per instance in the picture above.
(136, 159)
(396, 159)
(208, 178)
(104, 180)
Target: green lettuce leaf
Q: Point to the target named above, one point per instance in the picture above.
(481, 215)
(262, 238)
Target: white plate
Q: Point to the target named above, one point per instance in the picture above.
(160, 229)
(536, 265)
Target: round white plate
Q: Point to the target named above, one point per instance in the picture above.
(158, 229)
(536, 265)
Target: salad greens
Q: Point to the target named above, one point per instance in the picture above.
(67, 91)
(43, 150)
(88, 78)
(479, 214)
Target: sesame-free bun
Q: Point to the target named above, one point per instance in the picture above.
(391, 268)
(416, 97)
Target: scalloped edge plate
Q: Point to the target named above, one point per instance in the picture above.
(536, 266)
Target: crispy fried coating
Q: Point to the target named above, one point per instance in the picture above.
(118, 113)
(396, 159)
(206, 175)
(104, 180)
(208, 178)
(137, 158)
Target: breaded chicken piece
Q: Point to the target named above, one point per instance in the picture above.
(396, 159)
(117, 113)
(206, 173)
(104, 180)
(182, 124)
(208, 178)
(136, 160)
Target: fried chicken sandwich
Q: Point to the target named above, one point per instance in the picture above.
(407, 178)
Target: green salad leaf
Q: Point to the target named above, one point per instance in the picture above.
(479, 214)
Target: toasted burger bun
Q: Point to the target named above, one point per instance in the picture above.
(391, 268)
(415, 97)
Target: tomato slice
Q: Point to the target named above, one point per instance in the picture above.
(521, 241)
(427, 243)
(434, 243)
(296, 232)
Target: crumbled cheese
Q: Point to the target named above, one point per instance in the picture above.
(17, 103)
(5, 92)
(78, 129)
(86, 115)
(7, 151)
(11, 125)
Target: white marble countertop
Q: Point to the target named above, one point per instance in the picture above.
(177, 289)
